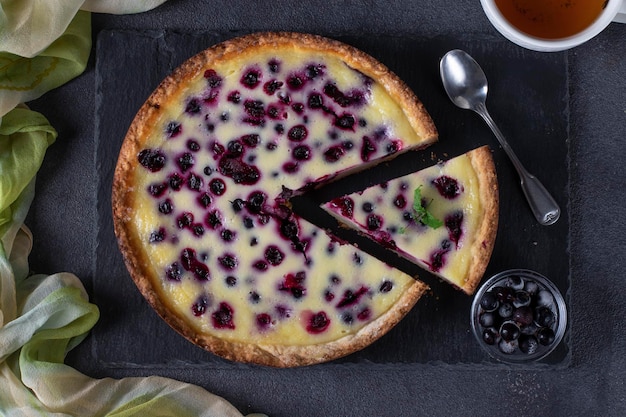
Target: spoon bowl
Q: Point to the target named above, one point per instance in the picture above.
(465, 82)
(466, 85)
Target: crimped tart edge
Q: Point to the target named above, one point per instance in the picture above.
(122, 197)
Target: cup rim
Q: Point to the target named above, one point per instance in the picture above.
(561, 326)
(534, 43)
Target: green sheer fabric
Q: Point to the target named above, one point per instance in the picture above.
(43, 317)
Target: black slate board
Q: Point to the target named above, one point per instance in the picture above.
(532, 112)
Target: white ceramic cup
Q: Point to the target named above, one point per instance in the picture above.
(525, 40)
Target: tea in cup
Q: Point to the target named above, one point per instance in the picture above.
(550, 25)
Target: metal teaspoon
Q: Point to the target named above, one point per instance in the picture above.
(466, 85)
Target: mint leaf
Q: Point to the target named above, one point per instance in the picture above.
(421, 214)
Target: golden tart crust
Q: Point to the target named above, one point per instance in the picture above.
(485, 237)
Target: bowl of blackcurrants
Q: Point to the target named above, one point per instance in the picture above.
(518, 316)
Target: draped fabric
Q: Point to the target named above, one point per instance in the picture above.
(44, 44)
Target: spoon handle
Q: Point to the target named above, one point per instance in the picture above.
(542, 204)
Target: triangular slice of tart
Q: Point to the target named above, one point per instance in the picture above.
(443, 218)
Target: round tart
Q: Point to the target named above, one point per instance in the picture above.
(199, 197)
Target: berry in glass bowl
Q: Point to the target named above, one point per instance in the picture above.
(518, 316)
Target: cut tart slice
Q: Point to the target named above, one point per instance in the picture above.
(198, 197)
(443, 218)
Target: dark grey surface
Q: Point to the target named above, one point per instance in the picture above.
(439, 319)
(64, 219)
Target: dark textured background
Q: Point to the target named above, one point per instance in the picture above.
(579, 93)
(438, 320)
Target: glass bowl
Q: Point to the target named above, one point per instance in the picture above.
(518, 316)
